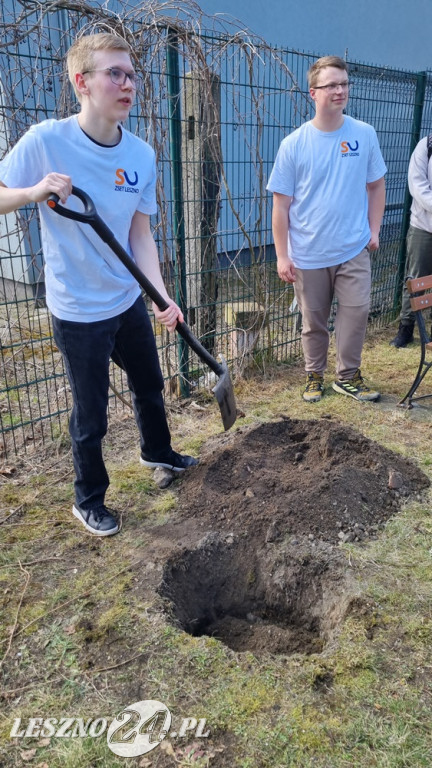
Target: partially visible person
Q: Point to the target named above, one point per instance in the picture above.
(97, 308)
(419, 237)
(328, 203)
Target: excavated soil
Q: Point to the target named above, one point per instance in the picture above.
(300, 478)
(274, 503)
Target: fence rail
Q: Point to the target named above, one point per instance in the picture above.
(215, 106)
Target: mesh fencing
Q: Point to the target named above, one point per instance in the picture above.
(215, 105)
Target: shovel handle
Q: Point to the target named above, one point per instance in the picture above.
(86, 216)
(90, 216)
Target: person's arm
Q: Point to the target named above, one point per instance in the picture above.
(418, 180)
(12, 198)
(376, 206)
(147, 258)
(280, 226)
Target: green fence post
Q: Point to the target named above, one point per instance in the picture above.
(415, 137)
(174, 124)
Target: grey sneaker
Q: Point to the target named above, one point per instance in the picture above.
(355, 388)
(314, 388)
(176, 462)
(98, 521)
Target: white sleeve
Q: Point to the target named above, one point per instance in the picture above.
(147, 203)
(23, 165)
(418, 179)
(376, 165)
(282, 177)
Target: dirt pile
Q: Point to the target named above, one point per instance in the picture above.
(318, 479)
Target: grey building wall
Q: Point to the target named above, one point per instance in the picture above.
(392, 33)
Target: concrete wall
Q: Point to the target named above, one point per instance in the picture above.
(392, 33)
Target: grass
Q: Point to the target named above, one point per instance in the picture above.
(83, 634)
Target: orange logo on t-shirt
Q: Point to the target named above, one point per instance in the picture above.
(122, 177)
(346, 147)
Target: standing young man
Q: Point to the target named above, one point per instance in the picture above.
(328, 203)
(97, 309)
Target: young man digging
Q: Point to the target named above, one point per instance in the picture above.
(328, 203)
(97, 309)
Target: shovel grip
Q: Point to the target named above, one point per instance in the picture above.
(86, 216)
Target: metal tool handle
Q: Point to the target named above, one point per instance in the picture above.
(90, 216)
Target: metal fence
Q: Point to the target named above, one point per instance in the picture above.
(215, 106)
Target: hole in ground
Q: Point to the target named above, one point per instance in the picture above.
(282, 599)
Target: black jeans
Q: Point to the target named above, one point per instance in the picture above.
(127, 339)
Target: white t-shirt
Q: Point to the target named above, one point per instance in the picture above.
(326, 175)
(420, 186)
(85, 281)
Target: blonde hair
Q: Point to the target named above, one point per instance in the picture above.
(80, 56)
(322, 63)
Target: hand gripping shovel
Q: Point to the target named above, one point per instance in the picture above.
(223, 391)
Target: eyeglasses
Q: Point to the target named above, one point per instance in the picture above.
(119, 76)
(332, 86)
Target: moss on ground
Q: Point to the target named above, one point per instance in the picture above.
(83, 633)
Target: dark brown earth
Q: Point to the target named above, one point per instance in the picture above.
(274, 503)
(318, 479)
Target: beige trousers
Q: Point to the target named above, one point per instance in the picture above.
(350, 284)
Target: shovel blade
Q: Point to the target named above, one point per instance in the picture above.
(224, 394)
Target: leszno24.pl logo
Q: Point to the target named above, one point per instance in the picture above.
(137, 729)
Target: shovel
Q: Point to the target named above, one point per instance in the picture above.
(223, 390)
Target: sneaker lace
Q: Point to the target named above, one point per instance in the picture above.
(100, 512)
(359, 382)
(314, 383)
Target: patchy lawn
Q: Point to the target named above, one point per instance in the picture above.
(280, 592)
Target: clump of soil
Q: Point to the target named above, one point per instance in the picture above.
(303, 478)
(274, 503)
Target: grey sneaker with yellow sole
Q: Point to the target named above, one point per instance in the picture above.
(356, 388)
